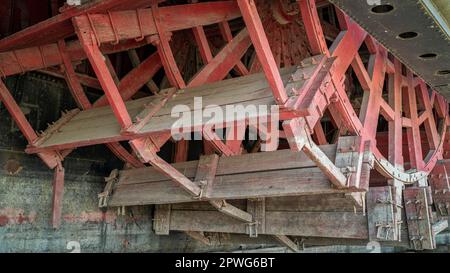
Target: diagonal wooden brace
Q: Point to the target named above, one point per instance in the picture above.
(300, 140)
(147, 151)
(104, 196)
(88, 40)
(150, 110)
(206, 172)
(287, 242)
(216, 142)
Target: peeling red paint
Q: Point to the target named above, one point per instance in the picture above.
(14, 216)
(3, 220)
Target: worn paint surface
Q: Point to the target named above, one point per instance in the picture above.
(25, 202)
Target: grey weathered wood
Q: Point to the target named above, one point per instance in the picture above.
(287, 242)
(315, 224)
(295, 182)
(418, 218)
(349, 157)
(161, 222)
(380, 210)
(257, 208)
(99, 125)
(280, 173)
(199, 236)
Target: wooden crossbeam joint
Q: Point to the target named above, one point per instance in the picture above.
(161, 222)
(350, 157)
(150, 110)
(206, 172)
(147, 152)
(299, 138)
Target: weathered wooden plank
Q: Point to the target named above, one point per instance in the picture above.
(313, 203)
(279, 173)
(311, 224)
(269, 161)
(380, 211)
(257, 208)
(418, 218)
(98, 125)
(294, 182)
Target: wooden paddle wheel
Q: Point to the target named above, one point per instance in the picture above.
(352, 149)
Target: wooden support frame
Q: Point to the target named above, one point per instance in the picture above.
(323, 89)
(97, 60)
(299, 140)
(418, 218)
(269, 174)
(147, 150)
(265, 56)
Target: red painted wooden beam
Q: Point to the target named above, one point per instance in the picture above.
(34, 58)
(98, 63)
(60, 26)
(219, 67)
(132, 24)
(72, 78)
(135, 79)
(313, 28)
(262, 47)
